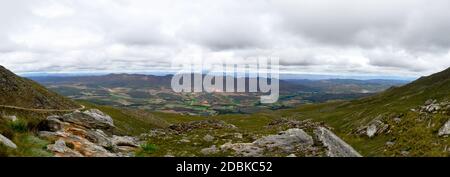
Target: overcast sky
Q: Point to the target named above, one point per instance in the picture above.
(377, 37)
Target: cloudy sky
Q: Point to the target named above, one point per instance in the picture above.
(375, 37)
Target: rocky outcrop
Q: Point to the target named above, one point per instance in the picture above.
(432, 106)
(336, 146)
(288, 142)
(85, 134)
(204, 124)
(445, 129)
(93, 119)
(7, 142)
(61, 150)
(375, 127)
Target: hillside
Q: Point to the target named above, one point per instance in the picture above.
(154, 93)
(25, 93)
(401, 121)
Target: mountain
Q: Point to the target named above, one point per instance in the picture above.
(409, 120)
(25, 93)
(110, 81)
(155, 93)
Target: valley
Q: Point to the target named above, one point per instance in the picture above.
(402, 121)
(154, 93)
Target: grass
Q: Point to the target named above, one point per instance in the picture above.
(19, 126)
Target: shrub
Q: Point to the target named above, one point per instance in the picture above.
(149, 148)
(19, 126)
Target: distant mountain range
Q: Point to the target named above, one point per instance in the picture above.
(155, 93)
(412, 119)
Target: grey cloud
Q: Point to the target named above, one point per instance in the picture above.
(376, 36)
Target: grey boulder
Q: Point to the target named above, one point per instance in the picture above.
(8, 143)
(335, 145)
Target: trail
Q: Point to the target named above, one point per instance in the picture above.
(42, 110)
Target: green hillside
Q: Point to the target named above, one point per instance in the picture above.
(24, 93)
(412, 132)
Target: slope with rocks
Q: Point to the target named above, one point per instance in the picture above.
(20, 92)
(402, 121)
(85, 134)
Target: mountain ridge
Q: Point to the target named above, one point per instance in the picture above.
(25, 93)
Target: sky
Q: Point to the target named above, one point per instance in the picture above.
(343, 37)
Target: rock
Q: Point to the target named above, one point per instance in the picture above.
(203, 124)
(211, 150)
(336, 146)
(431, 106)
(397, 120)
(8, 143)
(124, 141)
(404, 153)
(62, 150)
(59, 146)
(238, 135)
(243, 149)
(390, 143)
(99, 137)
(374, 128)
(291, 155)
(93, 119)
(52, 123)
(430, 101)
(184, 140)
(287, 140)
(88, 133)
(11, 118)
(50, 135)
(208, 138)
(304, 124)
(445, 129)
(371, 130)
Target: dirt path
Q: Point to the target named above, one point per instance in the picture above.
(42, 110)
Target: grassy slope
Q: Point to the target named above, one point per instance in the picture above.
(22, 92)
(412, 134)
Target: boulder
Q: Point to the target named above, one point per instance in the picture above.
(371, 130)
(208, 138)
(124, 141)
(286, 140)
(92, 119)
(289, 141)
(61, 150)
(445, 129)
(88, 133)
(8, 143)
(336, 146)
(291, 155)
(52, 123)
(375, 127)
(211, 150)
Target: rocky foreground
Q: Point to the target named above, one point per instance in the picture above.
(91, 134)
(86, 134)
(297, 139)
